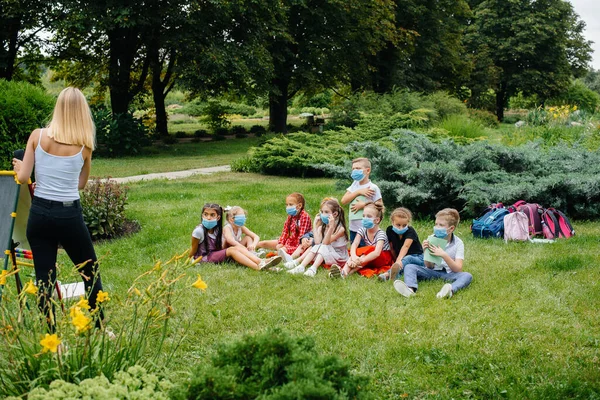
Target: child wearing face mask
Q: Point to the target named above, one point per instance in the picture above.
(208, 243)
(449, 269)
(235, 232)
(376, 254)
(360, 193)
(330, 237)
(404, 243)
(296, 225)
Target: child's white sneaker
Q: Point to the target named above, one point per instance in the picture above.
(269, 262)
(446, 291)
(298, 270)
(401, 288)
(311, 272)
(290, 264)
(285, 256)
(335, 272)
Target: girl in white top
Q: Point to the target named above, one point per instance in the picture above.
(331, 240)
(236, 232)
(376, 252)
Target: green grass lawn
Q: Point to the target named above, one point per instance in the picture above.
(527, 327)
(176, 157)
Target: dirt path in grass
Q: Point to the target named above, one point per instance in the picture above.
(173, 175)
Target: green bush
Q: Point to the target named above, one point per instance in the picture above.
(578, 94)
(462, 126)
(273, 365)
(103, 203)
(446, 105)
(258, 130)
(238, 129)
(135, 383)
(426, 176)
(215, 115)
(201, 133)
(239, 108)
(485, 118)
(551, 135)
(180, 134)
(23, 108)
(119, 134)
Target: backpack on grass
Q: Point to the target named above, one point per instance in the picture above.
(555, 224)
(491, 224)
(534, 215)
(516, 226)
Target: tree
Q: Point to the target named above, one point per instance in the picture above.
(102, 41)
(532, 46)
(20, 23)
(429, 54)
(318, 42)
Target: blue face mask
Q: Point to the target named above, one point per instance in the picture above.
(325, 218)
(399, 231)
(239, 220)
(440, 232)
(209, 223)
(367, 223)
(357, 174)
(291, 210)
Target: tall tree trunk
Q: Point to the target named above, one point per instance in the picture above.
(123, 47)
(8, 57)
(500, 102)
(161, 87)
(278, 106)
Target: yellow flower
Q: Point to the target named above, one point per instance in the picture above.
(574, 108)
(200, 284)
(50, 343)
(30, 288)
(3, 277)
(102, 297)
(79, 320)
(83, 303)
(137, 292)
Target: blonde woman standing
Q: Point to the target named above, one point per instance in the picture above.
(62, 156)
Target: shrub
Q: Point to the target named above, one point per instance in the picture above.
(215, 115)
(258, 130)
(462, 126)
(119, 134)
(180, 134)
(135, 383)
(103, 203)
(426, 176)
(485, 118)
(221, 131)
(273, 365)
(446, 105)
(580, 95)
(23, 108)
(239, 108)
(201, 133)
(238, 129)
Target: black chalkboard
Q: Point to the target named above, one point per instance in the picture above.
(9, 192)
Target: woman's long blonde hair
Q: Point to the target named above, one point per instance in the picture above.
(72, 121)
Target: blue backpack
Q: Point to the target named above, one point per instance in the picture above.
(490, 224)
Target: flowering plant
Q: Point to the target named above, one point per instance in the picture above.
(78, 346)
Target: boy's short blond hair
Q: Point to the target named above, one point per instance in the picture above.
(363, 161)
(451, 216)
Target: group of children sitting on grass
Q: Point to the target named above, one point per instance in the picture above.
(305, 245)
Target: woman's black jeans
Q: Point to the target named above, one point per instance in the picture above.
(52, 223)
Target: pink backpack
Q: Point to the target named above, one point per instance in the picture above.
(516, 226)
(555, 224)
(534, 214)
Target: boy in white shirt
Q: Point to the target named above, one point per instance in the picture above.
(360, 193)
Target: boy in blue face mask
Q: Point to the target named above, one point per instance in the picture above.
(359, 194)
(449, 269)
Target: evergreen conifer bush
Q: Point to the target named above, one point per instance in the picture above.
(273, 365)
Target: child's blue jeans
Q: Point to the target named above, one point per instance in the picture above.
(415, 259)
(414, 273)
